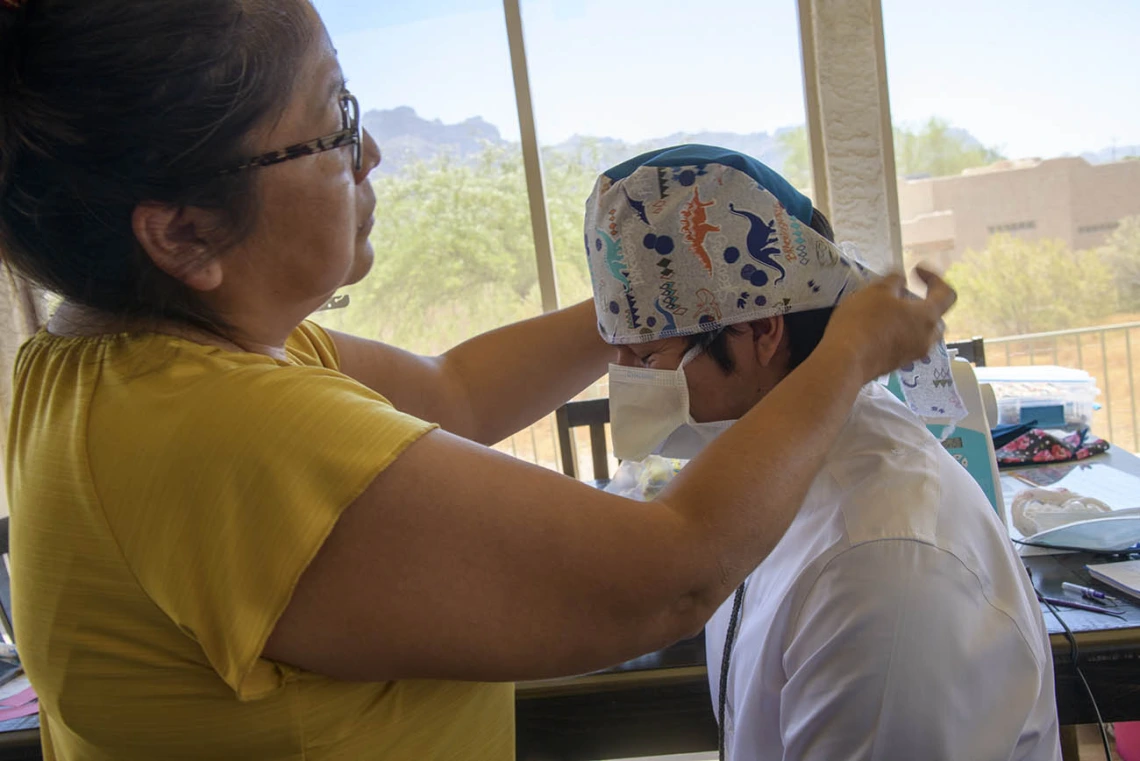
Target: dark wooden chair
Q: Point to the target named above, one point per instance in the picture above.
(973, 351)
(594, 414)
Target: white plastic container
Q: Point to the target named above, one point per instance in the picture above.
(1058, 397)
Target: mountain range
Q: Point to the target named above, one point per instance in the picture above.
(406, 137)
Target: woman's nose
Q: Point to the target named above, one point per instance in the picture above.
(371, 155)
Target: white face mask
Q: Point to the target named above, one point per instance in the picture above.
(649, 413)
(689, 440)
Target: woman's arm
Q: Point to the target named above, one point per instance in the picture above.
(458, 562)
(493, 385)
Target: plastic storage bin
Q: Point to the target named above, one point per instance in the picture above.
(1056, 397)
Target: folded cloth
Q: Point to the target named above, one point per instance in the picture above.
(1003, 434)
(1041, 446)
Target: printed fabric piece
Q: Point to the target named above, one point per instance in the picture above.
(692, 239)
(1040, 446)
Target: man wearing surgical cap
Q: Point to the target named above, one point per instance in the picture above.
(893, 620)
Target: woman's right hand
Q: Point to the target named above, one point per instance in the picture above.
(883, 327)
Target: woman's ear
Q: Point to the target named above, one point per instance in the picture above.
(181, 241)
(767, 339)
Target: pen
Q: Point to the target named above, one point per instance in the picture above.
(1080, 606)
(1087, 592)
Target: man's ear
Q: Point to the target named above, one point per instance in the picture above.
(767, 338)
(181, 241)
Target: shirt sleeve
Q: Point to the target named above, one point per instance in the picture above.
(221, 497)
(310, 344)
(896, 653)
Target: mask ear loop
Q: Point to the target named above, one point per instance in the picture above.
(688, 357)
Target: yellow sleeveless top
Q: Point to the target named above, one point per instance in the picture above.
(165, 498)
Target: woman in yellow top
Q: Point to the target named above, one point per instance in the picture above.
(238, 536)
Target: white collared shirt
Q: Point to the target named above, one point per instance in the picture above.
(893, 621)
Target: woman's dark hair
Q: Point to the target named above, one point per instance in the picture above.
(803, 329)
(105, 104)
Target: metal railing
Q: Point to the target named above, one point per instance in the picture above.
(1104, 352)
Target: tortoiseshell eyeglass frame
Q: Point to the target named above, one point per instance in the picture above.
(349, 135)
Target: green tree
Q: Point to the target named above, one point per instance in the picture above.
(797, 157)
(569, 182)
(1017, 286)
(1121, 253)
(455, 251)
(938, 149)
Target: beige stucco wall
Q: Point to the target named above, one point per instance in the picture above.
(1066, 199)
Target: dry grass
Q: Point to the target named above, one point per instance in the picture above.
(1109, 357)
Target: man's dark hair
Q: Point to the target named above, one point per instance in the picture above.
(803, 329)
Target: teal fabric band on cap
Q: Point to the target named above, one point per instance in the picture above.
(695, 155)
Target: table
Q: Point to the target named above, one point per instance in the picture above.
(660, 704)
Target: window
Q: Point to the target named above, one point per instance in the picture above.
(1012, 227)
(454, 249)
(1012, 160)
(614, 78)
(1101, 228)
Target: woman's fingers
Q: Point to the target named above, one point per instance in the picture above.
(884, 326)
(939, 295)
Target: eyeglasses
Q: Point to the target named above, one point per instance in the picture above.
(350, 134)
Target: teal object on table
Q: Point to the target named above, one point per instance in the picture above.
(1043, 415)
(970, 443)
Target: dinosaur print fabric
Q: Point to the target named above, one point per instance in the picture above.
(691, 239)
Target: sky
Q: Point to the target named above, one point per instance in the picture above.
(1028, 77)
